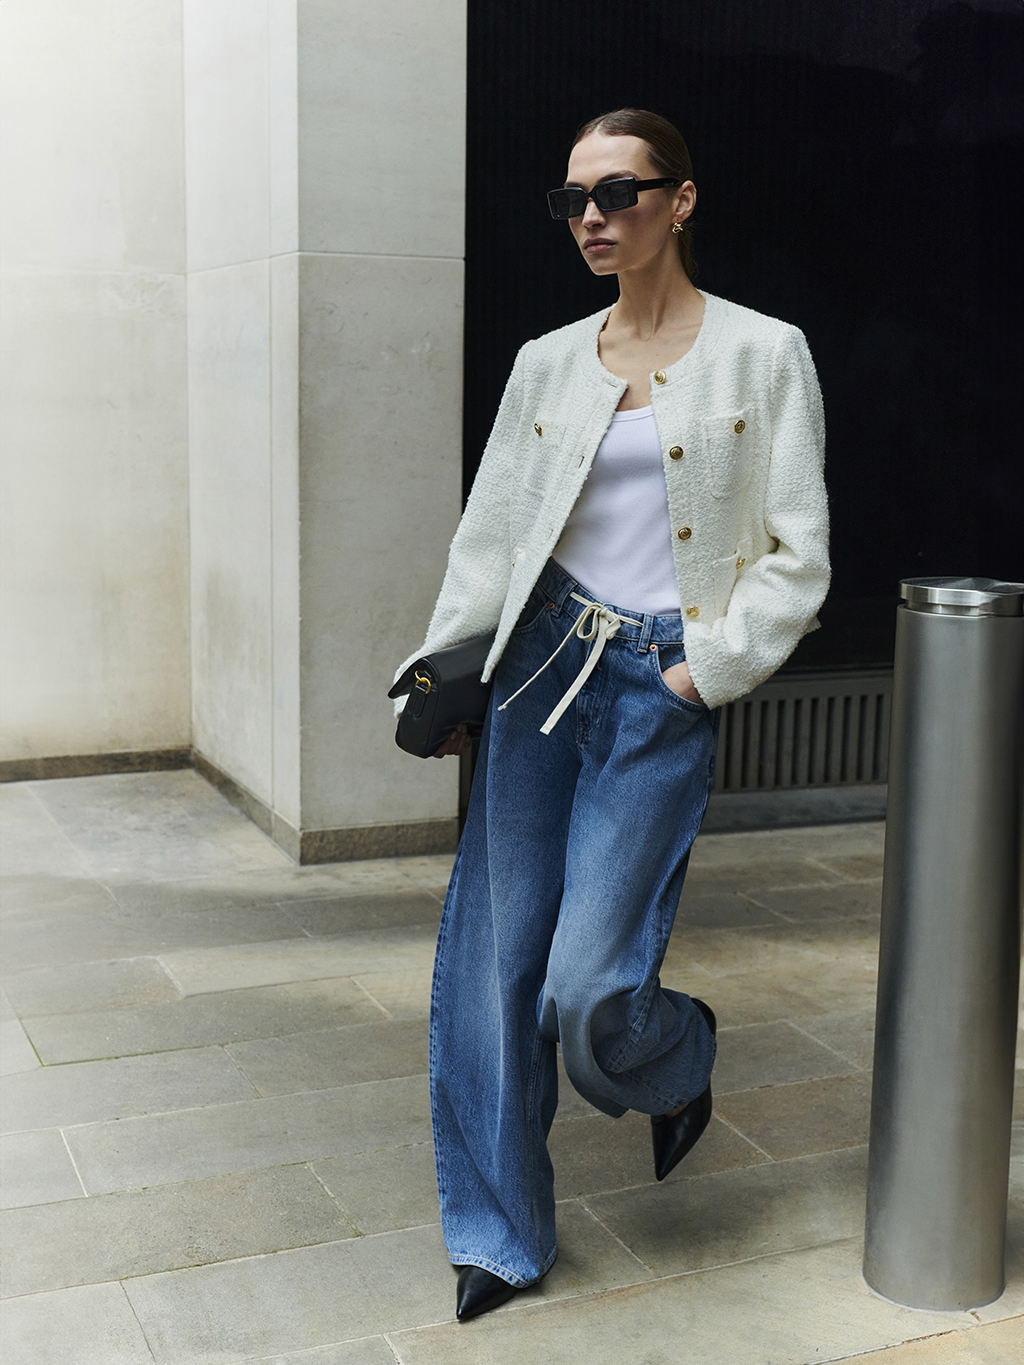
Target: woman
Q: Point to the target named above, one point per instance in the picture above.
(650, 512)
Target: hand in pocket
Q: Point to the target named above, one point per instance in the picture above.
(677, 679)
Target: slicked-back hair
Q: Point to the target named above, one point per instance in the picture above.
(666, 149)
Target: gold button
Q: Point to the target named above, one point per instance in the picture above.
(676, 453)
(659, 376)
(692, 612)
(738, 428)
(538, 429)
(684, 533)
(740, 563)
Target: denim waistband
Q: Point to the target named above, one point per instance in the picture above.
(557, 587)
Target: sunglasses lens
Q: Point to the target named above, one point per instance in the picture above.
(615, 194)
(566, 203)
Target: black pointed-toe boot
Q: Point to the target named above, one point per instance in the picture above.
(673, 1135)
(479, 1291)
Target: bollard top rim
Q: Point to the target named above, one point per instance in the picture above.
(976, 596)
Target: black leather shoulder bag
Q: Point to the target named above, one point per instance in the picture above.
(445, 690)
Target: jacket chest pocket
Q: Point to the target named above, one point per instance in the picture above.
(731, 441)
(726, 572)
(544, 447)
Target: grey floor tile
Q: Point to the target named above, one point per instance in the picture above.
(368, 1351)
(592, 1155)
(58, 939)
(43, 895)
(590, 1260)
(846, 900)
(812, 1116)
(803, 1307)
(84, 986)
(16, 1052)
(89, 1092)
(856, 866)
(851, 1033)
(747, 998)
(190, 1145)
(432, 869)
(200, 1020)
(35, 1168)
(333, 1057)
(404, 994)
(349, 913)
(31, 841)
(770, 1054)
(305, 959)
(721, 910)
(7, 1010)
(292, 1300)
(751, 875)
(93, 1325)
(732, 1216)
(115, 1236)
(809, 842)
(385, 1190)
(994, 1343)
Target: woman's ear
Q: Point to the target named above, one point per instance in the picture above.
(684, 201)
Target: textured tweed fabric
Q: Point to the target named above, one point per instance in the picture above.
(744, 407)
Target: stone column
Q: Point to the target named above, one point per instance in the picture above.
(324, 170)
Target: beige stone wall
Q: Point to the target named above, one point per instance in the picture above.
(95, 484)
(325, 206)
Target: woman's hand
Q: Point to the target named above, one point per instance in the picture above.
(456, 742)
(678, 679)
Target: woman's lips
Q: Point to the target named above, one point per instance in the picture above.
(595, 245)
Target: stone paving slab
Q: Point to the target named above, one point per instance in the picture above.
(752, 875)
(57, 938)
(807, 1306)
(845, 900)
(191, 1144)
(302, 959)
(33, 842)
(333, 1057)
(596, 1154)
(115, 1236)
(771, 1054)
(404, 994)
(89, 1092)
(202, 1020)
(993, 1343)
(384, 1191)
(37, 1329)
(84, 986)
(36, 1168)
(735, 1215)
(289, 1301)
(368, 1351)
(16, 1051)
(721, 910)
(850, 1033)
(353, 913)
(797, 1120)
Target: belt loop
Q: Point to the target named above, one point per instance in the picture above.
(645, 634)
(565, 588)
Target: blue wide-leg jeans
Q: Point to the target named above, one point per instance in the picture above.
(557, 919)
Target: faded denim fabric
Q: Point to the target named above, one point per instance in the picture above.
(556, 922)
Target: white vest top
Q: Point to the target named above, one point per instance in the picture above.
(617, 541)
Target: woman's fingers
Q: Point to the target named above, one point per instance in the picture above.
(455, 743)
(678, 679)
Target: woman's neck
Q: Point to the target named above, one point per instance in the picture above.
(659, 297)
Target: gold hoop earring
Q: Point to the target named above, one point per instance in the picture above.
(677, 227)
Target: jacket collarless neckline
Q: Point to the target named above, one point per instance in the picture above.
(705, 339)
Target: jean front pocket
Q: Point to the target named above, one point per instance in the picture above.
(663, 658)
(536, 607)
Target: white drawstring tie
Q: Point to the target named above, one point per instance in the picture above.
(598, 623)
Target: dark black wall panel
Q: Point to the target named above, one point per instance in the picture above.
(858, 168)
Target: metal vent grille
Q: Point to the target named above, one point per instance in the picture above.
(810, 730)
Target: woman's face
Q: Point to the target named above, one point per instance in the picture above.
(626, 239)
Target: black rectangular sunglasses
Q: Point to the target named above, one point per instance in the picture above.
(608, 195)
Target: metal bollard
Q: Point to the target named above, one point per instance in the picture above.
(941, 1105)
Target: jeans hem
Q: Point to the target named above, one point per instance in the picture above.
(485, 1263)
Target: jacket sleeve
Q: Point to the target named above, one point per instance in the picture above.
(479, 560)
(774, 603)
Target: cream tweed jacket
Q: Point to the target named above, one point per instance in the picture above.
(742, 435)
